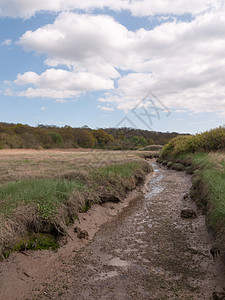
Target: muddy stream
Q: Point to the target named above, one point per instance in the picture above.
(143, 250)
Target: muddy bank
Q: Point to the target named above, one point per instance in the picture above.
(25, 272)
(147, 251)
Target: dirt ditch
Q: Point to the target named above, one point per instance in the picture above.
(144, 250)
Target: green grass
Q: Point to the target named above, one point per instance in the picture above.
(215, 181)
(34, 241)
(125, 170)
(209, 186)
(46, 194)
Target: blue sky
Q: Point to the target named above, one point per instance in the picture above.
(158, 65)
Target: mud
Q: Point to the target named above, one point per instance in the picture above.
(144, 250)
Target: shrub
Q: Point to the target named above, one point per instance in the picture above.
(56, 138)
(212, 140)
(169, 164)
(164, 163)
(178, 167)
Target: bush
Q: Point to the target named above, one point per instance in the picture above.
(164, 163)
(212, 140)
(178, 167)
(169, 164)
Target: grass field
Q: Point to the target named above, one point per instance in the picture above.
(42, 191)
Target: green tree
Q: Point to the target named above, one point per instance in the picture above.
(150, 141)
(56, 138)
(138, 141)
(84, 138)
(102, 137)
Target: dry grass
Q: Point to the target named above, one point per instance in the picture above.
(73, 181)
(20, 164)
(218, 159)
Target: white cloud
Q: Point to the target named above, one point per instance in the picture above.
(43, 108)
(26, 9)
(180, 111)
(85, 42)
(105, 108)
(27, 78)
(47, 93)
(58, 83)
(6, 42)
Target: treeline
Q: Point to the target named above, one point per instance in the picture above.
(50, 136)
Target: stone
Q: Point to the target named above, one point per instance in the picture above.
(186, 196)
(218, 295)
(81, 234)
(188, 213)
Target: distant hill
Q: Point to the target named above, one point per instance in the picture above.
(50, 136)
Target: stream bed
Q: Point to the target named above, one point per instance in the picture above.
(146, 252)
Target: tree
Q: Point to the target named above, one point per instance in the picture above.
(150, 141)
(56, 138)
(84, 138)
(102, 137)
(138, 141)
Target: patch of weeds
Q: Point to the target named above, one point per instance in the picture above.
(37, 241)
(164, 162)
(189, 170)
(169, 164)
(26, 161)
(178, 167)
(34, 241)
(86, 207)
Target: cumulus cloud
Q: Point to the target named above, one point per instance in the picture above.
(26, 9)
(47, 93)
(58, 83)
(105, 108)
(85, 42)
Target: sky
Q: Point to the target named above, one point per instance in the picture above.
(156, 65)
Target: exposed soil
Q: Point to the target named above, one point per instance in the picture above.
(144, 250)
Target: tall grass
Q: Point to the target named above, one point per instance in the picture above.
(115, 171)
(205, 153)
(212, 180)
(45, 194)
